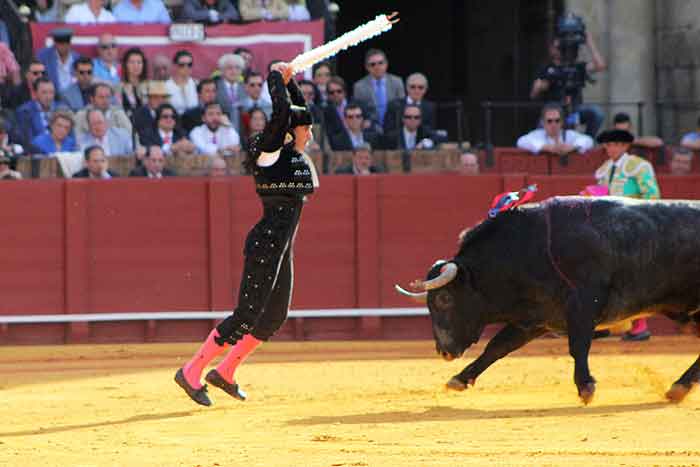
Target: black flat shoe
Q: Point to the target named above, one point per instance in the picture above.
(640, 336)
(215, 379)
(200, 395)
(601, 334)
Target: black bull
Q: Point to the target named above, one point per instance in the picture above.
(568, 265)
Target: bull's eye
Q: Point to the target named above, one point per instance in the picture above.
(444, 300)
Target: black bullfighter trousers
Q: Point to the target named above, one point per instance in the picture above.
(266, 284)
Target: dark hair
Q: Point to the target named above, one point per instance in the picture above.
(237, 50)
(100, 84)
(252, 74)
(134, 51)
(352, 106)
(166, 106)
(90, 149)
(209, 105)
(82, 60)
(371, 52)
(257, 110)
(182, 53)
(317, 93)
(409, 106)
(203, 83)
(552, 106)
(621, 117)
(338, 81)
(39, 81)
(321, 65)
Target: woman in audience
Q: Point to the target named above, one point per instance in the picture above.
(322, 73)
(256, 124)
(134, 76)
(181, 86)
(58, 137)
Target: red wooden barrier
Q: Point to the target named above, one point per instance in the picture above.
(521, 161)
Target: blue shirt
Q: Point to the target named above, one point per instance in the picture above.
(46, 145)
(690, 137)
(102, 72)
(152, 11)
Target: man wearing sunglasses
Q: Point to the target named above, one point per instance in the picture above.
(552, 138)
(14, 96)
(105, 65)
(77, 95)
(416, 87)
(378, 87)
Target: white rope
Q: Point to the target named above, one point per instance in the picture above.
(193, 315)
(361, 33)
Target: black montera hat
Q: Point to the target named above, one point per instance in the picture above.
(615, 136)
(62, 34)
(300, 116)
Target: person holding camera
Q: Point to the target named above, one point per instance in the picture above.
(564, 77)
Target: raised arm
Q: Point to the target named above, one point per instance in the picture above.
(295, 93)
(275, 130)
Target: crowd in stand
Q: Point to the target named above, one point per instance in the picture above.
(128, 104)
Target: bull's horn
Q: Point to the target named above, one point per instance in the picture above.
(420, 297)
(447, 273)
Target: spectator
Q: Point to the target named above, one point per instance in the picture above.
(416, 87)
(298, 10)
(692, 140)
(218, 167)
(153, 165)
(145, 116)
(353, 134)
(168, 135)
(96, 165)
(181, 86)
(321, 74)
(247, 56)
(46, 11)
(622, 121)
(263, 10)
(378, 87)
(15, 96)
(101, 98)
(334, 112)
(549, 87)
(552, 138)
(256, 124)
(361, 162)
(468, 164)
(210, 11)
(9, 68)
(312, 98)
(114, 141)
(58, 59)
(89, 12)
(229, 89)
(412, 135)
(206, 93)
(77, 95)
(105, 65)
(160, 68)
(212, 138)
(141, 11)
(5, 172)
(58, 138)
(134, 76)
(630, 176)
(33, 116)
(253, 95)
(681, 162)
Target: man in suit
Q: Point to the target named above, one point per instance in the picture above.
(378, 87)
(416, 87)
(353, 134)
(33, 116)
(114, 141)
(77, 95)
(145, 116)
(96, 165)
(229, 89)
(412, 135)
(167, 134)
(58, 59)
(153, 165)
(362, 163)
(206, 91)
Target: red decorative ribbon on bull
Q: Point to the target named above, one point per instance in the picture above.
(511, 200)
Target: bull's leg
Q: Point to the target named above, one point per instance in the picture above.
(579, 319)
(685, 383)
(508, 339)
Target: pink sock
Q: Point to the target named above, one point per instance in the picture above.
(638, 325)
(206, 353)
(236, 356)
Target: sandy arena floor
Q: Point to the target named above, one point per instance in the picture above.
(347, 404)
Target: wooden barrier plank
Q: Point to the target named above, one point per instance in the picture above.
(78, 279)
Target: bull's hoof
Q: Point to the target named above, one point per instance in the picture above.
(456, 385)
(586, 392)
(678, 392)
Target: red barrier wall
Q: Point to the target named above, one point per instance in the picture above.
(83, 246)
